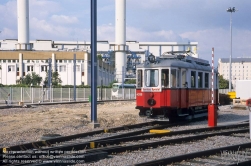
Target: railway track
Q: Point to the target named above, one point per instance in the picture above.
(84, 141)
(229, 156)
(123, 143)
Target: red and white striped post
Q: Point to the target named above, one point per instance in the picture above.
(212, 110)
(212, 75)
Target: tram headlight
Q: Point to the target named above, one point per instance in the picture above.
(151, 102)
(151, 58)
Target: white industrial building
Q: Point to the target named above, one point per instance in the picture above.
(18, 63)
(240, 70)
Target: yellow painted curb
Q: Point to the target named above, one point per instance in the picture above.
(159, 131)
(92, 145)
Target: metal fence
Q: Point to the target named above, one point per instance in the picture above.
(224, 91)
(14, 95)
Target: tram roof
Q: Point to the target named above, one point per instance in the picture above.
(161, 63)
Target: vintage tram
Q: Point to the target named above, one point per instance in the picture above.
(175, 85)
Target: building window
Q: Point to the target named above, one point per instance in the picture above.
(62, 68)
(43, 68)
(29, 68)
(77, 67)
(11, 68)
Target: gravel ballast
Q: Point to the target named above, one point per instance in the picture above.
(22, 125)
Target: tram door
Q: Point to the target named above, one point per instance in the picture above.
(165, 85)
(183, 89)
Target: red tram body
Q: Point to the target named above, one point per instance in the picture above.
(174, 86)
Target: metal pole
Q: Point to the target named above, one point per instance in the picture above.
(74, 71)
(49, 79)
(94, 63)
(32, 99)
(123, 88)
(43, 93)
(230, 59)
(231, 10)
(101, 89)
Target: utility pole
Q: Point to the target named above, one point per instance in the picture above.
(231, 10)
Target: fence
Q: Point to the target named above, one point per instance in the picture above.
(14, 95)
(224, 91)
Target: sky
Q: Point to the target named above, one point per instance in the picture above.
(204, 21)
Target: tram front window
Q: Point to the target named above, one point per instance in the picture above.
(152, 78)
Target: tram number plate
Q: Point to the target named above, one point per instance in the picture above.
(139, 94)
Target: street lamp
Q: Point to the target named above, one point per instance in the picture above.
(231, 10)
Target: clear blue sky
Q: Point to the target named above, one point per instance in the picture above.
(203, 21)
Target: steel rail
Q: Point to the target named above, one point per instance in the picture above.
(179, 158)
(118, 149)
(122, 148)
(39, 144)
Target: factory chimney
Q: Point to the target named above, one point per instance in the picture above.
(120, 40)
(23, 25)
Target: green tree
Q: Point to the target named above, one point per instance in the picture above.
(223, 83)
(31, 79)
(99, 57)
(55, 79)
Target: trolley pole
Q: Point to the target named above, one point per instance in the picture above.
(212, 110)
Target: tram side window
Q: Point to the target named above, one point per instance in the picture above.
(178, 78)
(183, 75)
(206, 80)
(139, 78)
(200, 74)
(165, 78)
(173, 78)
(193, 81)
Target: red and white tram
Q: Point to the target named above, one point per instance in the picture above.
(174, 85)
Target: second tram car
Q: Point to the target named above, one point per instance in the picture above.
(117, 90)
(174, 85)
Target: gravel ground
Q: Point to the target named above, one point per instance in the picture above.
(21, 125)
(130, 158)
(226, 115)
